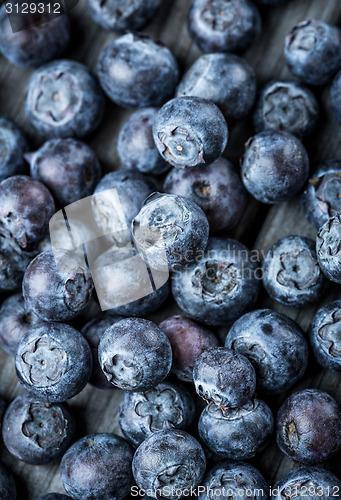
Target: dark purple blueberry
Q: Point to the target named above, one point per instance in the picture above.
(224, 377)
(32, 39)
(313, 51)
(335, 96)
(274, 344)
(285, 105)
(168, 405)
(291, 273)
(308, 428)
(26, 207)
(216, 188)
(170, 461)
(98, 466)
(135, 145)
(169, 229)
(7, 484)
(275, 166)
(37, 432)
(190, 131)
(135, 355)
(135, 71)
(54, 496)
(123, 15)
(328, 248)
(226, 79)
(325, 336)
(13, 263)
(188, 341)
(13, 145)
(309, 483)
(237, 433)
(234, 480)
(219, 285)
(224, 25)
(57, 285)
(64, 100)
(69, 168)
(15, 320)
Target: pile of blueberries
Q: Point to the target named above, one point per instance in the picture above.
(50, 318)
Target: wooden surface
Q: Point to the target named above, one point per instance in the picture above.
(96, 410)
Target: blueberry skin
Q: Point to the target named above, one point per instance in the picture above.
(217, 189)
(36, 42)
(53, 362)
(238, 477)
(145, 305)
(76, 112)
(13, 145)
(98, 467)
(291, 273)
(169, 460)
(15, 320)
(288, 106)
(224, 377)
(135, 355)
(226, 79)
(188, 340)
(26, 207)
(220, 285)
(328, 249)
(178, 222)
(135, 71)
(238, 433)
(13, 263)
(54, 496)
(299, 481)
(37, 432)
(308, 427)
(135, 145)
(313, 51)
(276, 346)
(7, 484)
(123, 15)
(223, 25)
(324, 336)
(190, 131)
(335, 94)
(68, 167)
(274, 167)
(52, 293)
(168, 405)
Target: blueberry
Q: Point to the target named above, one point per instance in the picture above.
(226, 79)
(335, 96)
(32, 39)
(179, 224)
(328, 248)
(309, 483)
(220, 285)
(64, 100)
(13, 145)
(188, 340)
(291, 274)
(123, 15)
(275, 166)
(15, 320)
(168, 405)
(224, 25)
(135, 355)
(97, 467)
(54, 496)
(7, 484)
(135, 71)
(308, 428)
(168, 463)
(51, 291)
(37, 432)
(325, 336)
(53, 362)
(68, 167)
(224, 377)
(313, 51)
(234, 480)
(274, 344)
(216, 188)
(26, 207)
(135, 145)
(288, 106)
(238, 433)
(189, 131)
(13, 262)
